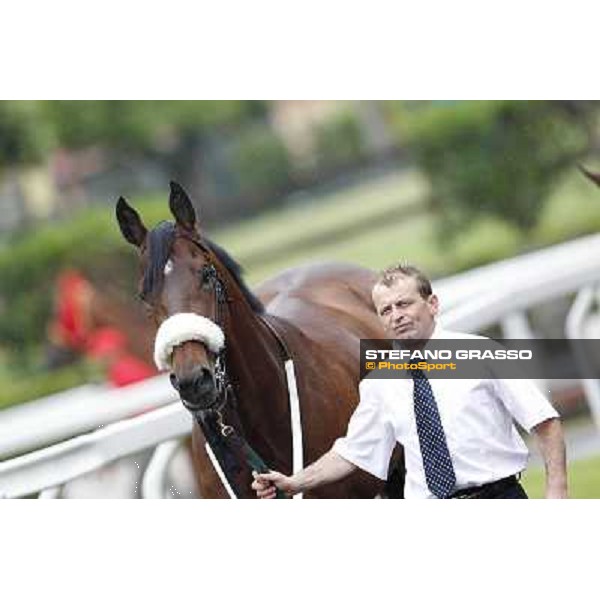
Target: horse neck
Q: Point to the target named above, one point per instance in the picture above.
(254, 364)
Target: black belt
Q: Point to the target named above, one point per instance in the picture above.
(487, 490)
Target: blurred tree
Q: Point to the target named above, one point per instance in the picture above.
(262, 162)
(26, 135)
(496, 158)
(26, 139)
(338, 141)
(138, 124)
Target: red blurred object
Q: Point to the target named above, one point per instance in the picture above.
(129, 369)
(106, 342)
(71, 326)
(109, 345)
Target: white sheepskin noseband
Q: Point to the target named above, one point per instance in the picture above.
(184, 327)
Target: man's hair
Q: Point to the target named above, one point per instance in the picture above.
(390, 275)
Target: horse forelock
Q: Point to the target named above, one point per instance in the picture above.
(160, 245)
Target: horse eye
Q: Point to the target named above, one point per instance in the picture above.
(205, 277)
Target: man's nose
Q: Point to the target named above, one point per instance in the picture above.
(397, 314)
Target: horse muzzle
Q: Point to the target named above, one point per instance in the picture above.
(197, 389)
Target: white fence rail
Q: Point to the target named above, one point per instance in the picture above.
(61, 416)
(53, 466)
(534, 278)
(574, 262)
(470, 302)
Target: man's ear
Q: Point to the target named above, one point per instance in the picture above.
(434, 302)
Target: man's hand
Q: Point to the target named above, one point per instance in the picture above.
(327, 469)
(266, 484)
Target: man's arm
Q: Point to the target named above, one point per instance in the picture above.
(551, 442)
(327, 469)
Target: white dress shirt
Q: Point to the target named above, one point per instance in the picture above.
(477, 416)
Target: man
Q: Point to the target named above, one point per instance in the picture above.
(459, 436)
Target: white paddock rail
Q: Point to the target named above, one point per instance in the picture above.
(498, 293)
(61, 416)
(553, 274)
(578, 328)
(54, 466)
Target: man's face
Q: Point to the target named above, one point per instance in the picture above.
(404, 313)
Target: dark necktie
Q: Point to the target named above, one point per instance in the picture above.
(439, 472)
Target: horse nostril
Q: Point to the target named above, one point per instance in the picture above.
(174, 381)
(205, 377)
(196, 389)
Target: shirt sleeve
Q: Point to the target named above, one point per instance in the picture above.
(370, 439)
(525, 402)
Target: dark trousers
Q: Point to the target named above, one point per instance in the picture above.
(514, 492)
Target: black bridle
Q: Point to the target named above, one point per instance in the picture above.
(210, 276)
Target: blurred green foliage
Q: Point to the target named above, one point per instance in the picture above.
(262, 162)
(227, 150)
(494, 158)
(127, 124)
(338, 141)
(30, 129)
(26, 134)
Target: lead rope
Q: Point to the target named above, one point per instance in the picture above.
(227, 440)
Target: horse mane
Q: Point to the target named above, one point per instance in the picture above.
(160, 244)
(236, 271)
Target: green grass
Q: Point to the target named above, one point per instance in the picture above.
(323, 214)
(16, 389)
(584, 479)
(573, 209)
(373, 248)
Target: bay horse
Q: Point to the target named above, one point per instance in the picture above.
(317, 313)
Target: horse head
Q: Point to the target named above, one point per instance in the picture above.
(183, 290)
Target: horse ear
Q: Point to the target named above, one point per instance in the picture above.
(130, 223)
(181, 207)
(595, 177)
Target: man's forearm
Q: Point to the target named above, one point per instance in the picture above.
(327, 469)
(552, 447)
